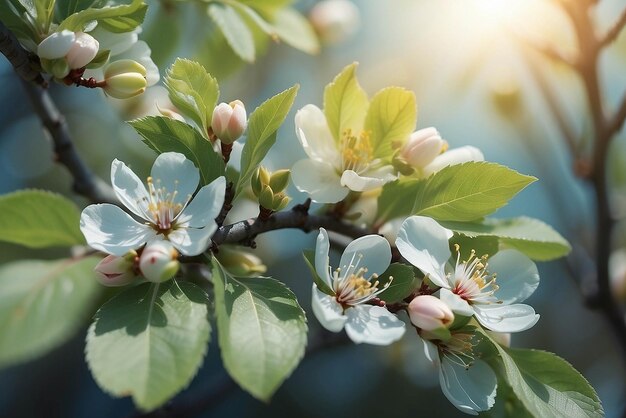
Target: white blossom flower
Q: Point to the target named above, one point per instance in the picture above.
(166, 209)
(468, 383)
(347, 307)
(333, 168)
(469, 288)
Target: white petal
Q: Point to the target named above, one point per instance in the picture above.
(507, 318)
(358, 183)
(431, 352)
(373, 325)
(385, 173)
(374, 250)
(456, 303)
(115, 42)
(205, 205)
(517, 276)
(129, 189)
(192, 241)
(471, 390)
(424, 243)
(108, 228)
(327, 311)
(454, 156)
(322, 247)
(319, 180)
(140, 52)
(314, 135)
(175, 172)
(56, 45)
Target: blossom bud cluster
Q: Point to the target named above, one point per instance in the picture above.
(269, 188)
(64, 51)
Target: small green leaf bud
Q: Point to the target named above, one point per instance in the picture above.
(280, 202)
(260, 178)
(239, 262)
(266, 198)
(279, 180)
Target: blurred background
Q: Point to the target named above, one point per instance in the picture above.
(465, 61)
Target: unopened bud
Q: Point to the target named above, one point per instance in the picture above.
(229, 121)
(261, 177)
(454, 156)
(266, 198)
(423, 146)
(334, 20)
(279, 180)
(280, 202)
(159, 261)
(69, 50)
(430, 313)
(83, 50)
(240, 263)
(125, 79)
(116, 271)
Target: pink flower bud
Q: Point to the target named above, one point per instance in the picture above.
(430, 313)
(334, 20)
(159, 261)
(423, 146)
(229, 121)
(83, 50)
(116, 271)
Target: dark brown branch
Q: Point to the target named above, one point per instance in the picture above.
(22, 61)
(85, 182)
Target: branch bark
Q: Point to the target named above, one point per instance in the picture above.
(22, 61)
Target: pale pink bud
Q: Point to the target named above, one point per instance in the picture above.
(159, 261)
(56, 45)
(116, 271)
(229, 121)
(83, 50)
(454, 156)
(334, 20)
(423, 146)
(430, 313)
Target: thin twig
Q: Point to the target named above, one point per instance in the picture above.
(22, 61)
(612, 34)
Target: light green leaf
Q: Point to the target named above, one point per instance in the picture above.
(531, 236)
(248, 11)
(295, 30)
(404, 282)
(45, 10)
(43, 304)
(39, 219)
(164, 135)
(309, 258)
(149, 341)
(345, 103)
(235, 30)
(462, 192)
(193, 91)
(390, 119)
(262, 127)
(116, 19)
(67, 8)
(261, 329)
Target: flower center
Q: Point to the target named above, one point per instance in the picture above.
(356, 151)
(472, 281)
(350, 285)
(162, 205)
(459, 349)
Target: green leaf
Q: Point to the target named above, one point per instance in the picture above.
(403, 284)
(193, 91)
(149, 341)
(235, 30)
(390, 119)
(43, 304)
(165, 135)
(261, 329)
(67, 8)
(309, 258)
(100, 59)
(39, 219)
(548, 386)
(531, 236)
(45, 10)
(345, 103)
(262, 127)
(116, 19)
(296, 31)
(482, 245)
(461, 192)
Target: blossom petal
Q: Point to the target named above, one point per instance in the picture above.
(517, 276)
(354, 181)
(56, 45)
(108, 228)
(431, 352)
(117, 43)
(454, 156)
(174, 172)
(315, 136)
(506, 318)
(327, 311)
(319, 180)
(471, 390)
(424, 243)
(456, 303)
(205, 205)
(140, 52)
(192, 241)
(322, 262)
(373, 325)
(374, 250)
(130, 190)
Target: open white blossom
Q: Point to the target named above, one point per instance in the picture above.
(469, 287)
(166, 209)
(333, 168)
(347, 307)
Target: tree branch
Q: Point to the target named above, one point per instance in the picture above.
(22, 61)
(612, 34)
